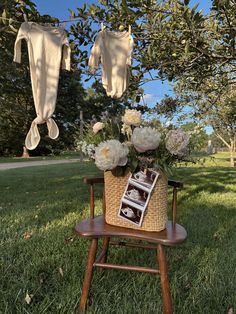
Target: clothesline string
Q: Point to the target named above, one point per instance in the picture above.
(134, 32)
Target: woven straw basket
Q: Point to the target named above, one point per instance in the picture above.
(155, 216)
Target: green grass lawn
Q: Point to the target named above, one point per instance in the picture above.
(63, 155)
(41, 255)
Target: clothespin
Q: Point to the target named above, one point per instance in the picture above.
(130, 29)
(62, 24)
(25, 17)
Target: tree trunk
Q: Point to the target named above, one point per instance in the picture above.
(25, 153)
(81, 123)
(232, 150)
(232, 163)
(230, 146)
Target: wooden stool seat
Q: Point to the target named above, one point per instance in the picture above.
(98, 228)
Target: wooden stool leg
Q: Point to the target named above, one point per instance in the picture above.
(105, 246)
(88, 274)
(166, 296)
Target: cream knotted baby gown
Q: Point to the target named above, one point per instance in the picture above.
(114, 51)
(45, 55)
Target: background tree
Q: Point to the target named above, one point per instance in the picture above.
(199, 138)
(172, 113)
(16, 100)
(221, 115)
(213, 105)
(173, 41)
(99, 102)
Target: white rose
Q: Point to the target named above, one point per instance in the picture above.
(97, 127)
(145, 139)
(177, 141)
(132, 117)
(123, 152)
(126, 129)
(110, 154)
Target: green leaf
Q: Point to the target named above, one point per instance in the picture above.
(195, 7)
(4, 16)
(138, 98)
(83, 7)
(13, 28)
(72, 14)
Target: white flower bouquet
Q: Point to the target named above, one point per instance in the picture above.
(128, 142)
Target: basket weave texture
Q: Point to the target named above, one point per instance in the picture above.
(155, 216)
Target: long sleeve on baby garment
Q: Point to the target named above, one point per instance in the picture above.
(95, 57)
(66, 52)
(48, 48)
(22, 34)
(114, 51)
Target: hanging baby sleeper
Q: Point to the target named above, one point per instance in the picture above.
(113, 50)
(45, 55)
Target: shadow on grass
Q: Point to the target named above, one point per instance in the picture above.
(50, 263)
(202, 271)
(210, 180)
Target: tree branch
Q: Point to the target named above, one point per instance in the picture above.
(222, 139)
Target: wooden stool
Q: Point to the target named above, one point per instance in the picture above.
(96, 228)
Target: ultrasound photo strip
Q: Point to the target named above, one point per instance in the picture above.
(136, 196)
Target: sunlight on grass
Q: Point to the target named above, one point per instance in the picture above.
(41, 254)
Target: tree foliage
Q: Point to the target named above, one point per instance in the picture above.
(16, 100)
(172, 39)
(215, 109)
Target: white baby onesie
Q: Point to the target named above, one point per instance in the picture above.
(45, 55)
(114, 51)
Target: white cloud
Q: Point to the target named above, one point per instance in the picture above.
(148, 97)
(151, 99)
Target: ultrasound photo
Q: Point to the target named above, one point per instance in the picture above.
(130, 213)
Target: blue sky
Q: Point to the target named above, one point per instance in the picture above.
(59, 8)
(154, 91)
